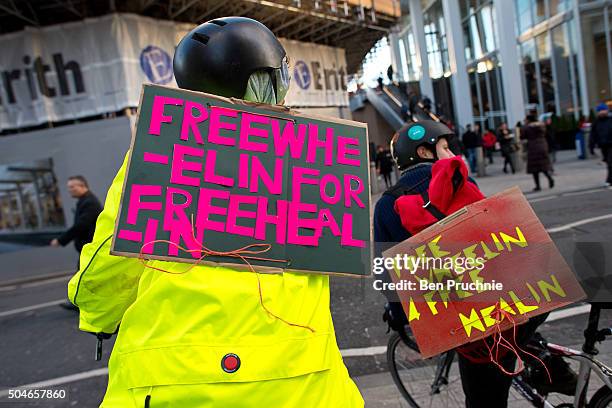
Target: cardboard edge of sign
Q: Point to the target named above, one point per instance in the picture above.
(129, 161)
(276, 108)
(237, 266)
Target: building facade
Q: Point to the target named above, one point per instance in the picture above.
(492, 61)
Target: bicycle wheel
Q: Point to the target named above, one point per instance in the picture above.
(602, 398)
(433, 382)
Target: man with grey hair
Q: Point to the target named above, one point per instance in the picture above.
(82, 231)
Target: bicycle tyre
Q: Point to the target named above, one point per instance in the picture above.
(394, 341)
(601, 399)
(414, 377)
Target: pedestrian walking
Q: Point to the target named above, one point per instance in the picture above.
(538, 160)
(82, 231)
(601, 136)
(506, 143)
(384, 164)
(471, 142)
(488, 144)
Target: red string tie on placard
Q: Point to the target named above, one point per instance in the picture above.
(499, 341)
(246, 253)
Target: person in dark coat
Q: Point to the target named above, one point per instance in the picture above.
(471, 140)
(601, 136)
(87, 210)
(390, 73)
(538, 160)
(506, 143)
(384, 165)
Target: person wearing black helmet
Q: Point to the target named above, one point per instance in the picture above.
(415, 147)
(204, 338)
(235, 57)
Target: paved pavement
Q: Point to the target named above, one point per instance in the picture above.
(570, 174)
(41, 342)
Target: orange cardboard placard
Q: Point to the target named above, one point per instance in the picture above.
(492, 255)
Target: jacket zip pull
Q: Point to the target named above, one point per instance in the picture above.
(99, 347)
(148, 398)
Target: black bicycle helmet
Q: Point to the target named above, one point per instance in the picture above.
(219, 56)
(412, 135)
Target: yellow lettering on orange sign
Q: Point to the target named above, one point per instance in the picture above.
(471, 322)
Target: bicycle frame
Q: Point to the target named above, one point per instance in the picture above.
(442, 371)
(588, 364)
(586, 359)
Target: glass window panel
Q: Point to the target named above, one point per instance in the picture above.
(497, 103)
(414, 61)
(482, 83)
(500, 86)
(561, 57)
(476, 43)
(403, 69)
(444, 98)
(528, 61)
(435, 40)
(467, 42)
(464, 6)
(523, 13)
(472, 6)
(494, 23)
(539, 10)
(558, 6)
(596, 57)
(32, 204)
(574, 56)
(546, 74)
(487, 28)
(474, 92)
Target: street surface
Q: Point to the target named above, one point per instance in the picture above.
(40, 342)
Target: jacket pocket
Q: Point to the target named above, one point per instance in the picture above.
(198, 363)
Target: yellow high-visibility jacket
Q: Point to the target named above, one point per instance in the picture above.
(175, 330)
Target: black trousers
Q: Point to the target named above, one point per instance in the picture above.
(485, 385)
(606, 151)
(536, 178)
(508, 161)
(387, 177)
